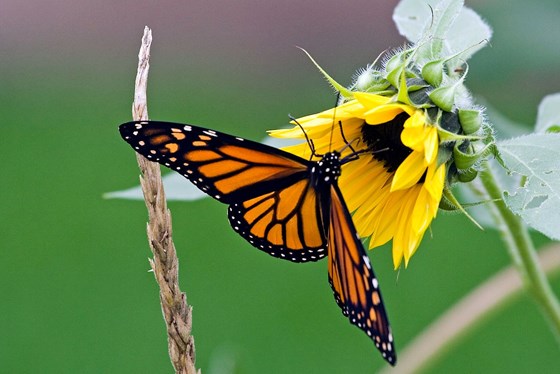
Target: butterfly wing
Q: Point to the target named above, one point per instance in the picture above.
(351, 276)
(226, 167)
(286, 223)
(272, 204)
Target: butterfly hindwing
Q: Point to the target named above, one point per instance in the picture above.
(351, 276)
(287, 223)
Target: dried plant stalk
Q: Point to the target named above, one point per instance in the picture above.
(165, 265)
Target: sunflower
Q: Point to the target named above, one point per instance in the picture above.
(417, 131)
(394, 190)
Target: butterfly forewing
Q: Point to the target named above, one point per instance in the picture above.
(354, 284)
(226, 167)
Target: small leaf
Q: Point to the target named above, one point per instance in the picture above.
(548, 117)
(537, 158)
(445, 14)
(415, 20)
(469, 34)
(175, 185)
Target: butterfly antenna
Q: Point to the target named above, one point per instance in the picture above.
(348, 144)
(334, 119)
(309, 141)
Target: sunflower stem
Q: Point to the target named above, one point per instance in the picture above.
(522, 251)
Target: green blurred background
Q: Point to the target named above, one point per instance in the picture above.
(75, 288)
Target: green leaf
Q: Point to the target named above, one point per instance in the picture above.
(537, 158)
(175, 185)
(444, 16)
(469, 34)
(548, 117)
(448, 22)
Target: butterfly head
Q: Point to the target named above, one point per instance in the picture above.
(327, 170)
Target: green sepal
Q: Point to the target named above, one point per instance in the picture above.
(395, 62)
(447, 136)
(471, 120)
(337, 86)
(452, 202)
(402, 95)
(466, 176)
(432, 72)
(444, 97)
(445, 154)
(465, 160)
(370, 80)
(394, 76)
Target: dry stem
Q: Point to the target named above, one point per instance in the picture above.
(176, 312)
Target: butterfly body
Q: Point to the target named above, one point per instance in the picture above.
(282, 204)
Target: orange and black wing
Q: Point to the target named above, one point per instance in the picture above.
(228, 168)
(287, 223)
(272, 204)
(354, 284)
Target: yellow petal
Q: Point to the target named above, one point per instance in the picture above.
(422, 213)
(403, 233)
(382, 114)
(368, 215)
(435, 179)
(397, 256)
(414, 138)
(431, 145)
(414, 245)
(417, 119)
(363, 183)
(369, 100)
(387, 222)
(409, 172)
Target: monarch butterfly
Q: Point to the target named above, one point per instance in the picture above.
(284, 205)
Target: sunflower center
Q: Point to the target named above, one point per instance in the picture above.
(385, 141)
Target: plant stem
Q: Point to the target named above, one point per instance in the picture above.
(165, 264)
(520, 246)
